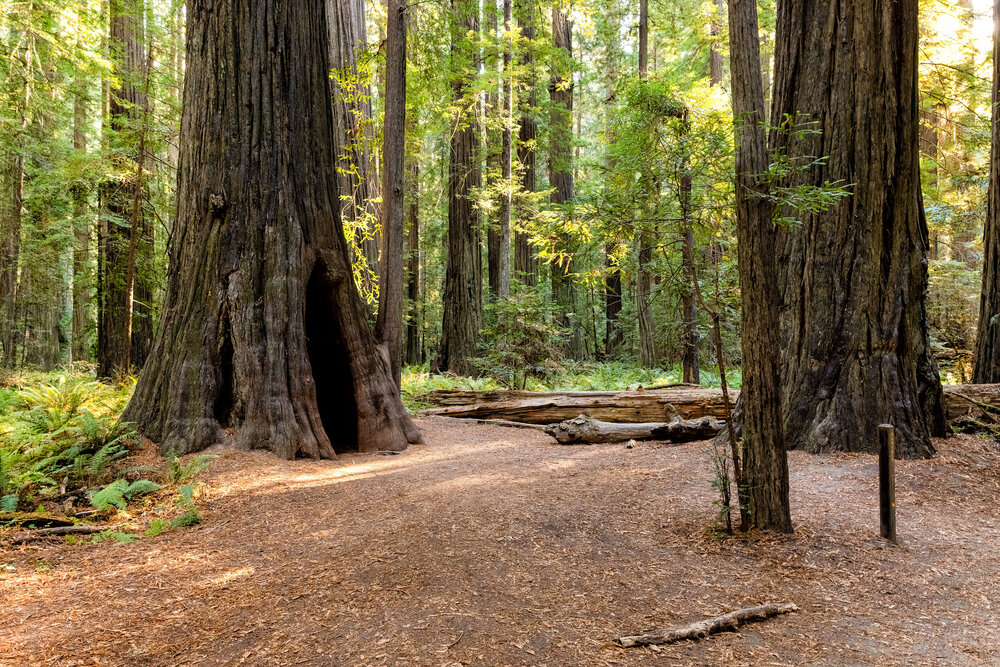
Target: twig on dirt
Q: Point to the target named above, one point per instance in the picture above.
(511, 424)
(42, 533)
(710, 626)
(460, 635)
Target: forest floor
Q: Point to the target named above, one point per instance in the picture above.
(493, 546)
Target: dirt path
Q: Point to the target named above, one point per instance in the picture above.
(491, 546)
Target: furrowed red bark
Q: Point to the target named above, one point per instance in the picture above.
(855, 344)
(264, 341)
(987, 367)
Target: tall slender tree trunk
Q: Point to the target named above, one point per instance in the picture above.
(264, 341)
(463, 301)
(644, 281)
(854, 320)
(987, 368)
(689, 305)
(10, 246)
(389, 324)
(525, 264)
(127, 103)
(352, 114)
(502, 287)
(765, 462)
(561, 172)
(12, 204)
(714, 52)
(413, 348)
(80, 348)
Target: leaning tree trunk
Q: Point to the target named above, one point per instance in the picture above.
(264, 341)
(765, 462)
(463, 299)
(853, 318)
(988, 334)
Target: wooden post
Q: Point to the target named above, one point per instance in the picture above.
(887, 481)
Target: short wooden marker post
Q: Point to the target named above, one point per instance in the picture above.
(887, 481)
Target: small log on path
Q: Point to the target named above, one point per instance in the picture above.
(710, 626)
(587, 430)
(42, 533)
(641, 405)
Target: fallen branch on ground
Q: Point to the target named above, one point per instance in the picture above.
(584, 429)
(710, 626)
(42, 533)
(509, 424)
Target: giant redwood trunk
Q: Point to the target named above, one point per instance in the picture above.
(853, 319)
(463, 288)
(264, 341)
(765, 462)
(988, 334)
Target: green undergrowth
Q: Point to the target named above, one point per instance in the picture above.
(64, 453)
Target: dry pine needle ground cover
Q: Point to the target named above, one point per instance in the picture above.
(492, 546)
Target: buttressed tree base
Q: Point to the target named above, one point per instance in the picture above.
(264, 341)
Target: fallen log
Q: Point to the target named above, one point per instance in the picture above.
(38, 519)
(710, 626)
(587, 430)
(42, 533)
(638, 406)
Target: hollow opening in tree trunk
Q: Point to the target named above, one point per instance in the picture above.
(331, 368)
(223, 407)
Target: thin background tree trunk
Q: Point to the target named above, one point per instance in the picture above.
(561, 173)
(389, 324)
(765, 463)
(644, 282)
(463, 300)
(525, 264)
(352, 111)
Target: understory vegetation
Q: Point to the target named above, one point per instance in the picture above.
(66, 457)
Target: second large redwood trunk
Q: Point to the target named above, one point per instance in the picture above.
(853, 319)
(264, 341)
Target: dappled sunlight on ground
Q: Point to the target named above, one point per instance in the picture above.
(493, 546)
